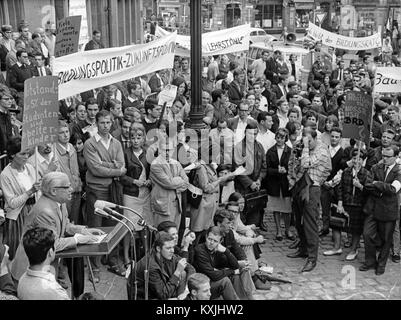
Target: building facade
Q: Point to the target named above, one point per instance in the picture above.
(120, 21)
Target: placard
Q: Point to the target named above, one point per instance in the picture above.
(41, 111)
(357, 116)
(67, 36)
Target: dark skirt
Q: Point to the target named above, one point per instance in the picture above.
(13, 231)
(357, 219)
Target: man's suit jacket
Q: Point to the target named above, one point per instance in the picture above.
(46, 214)
(234, 93)
(271, 68)
(233, 122)
(271, 99)
(243, 182)
(35, 71)
(338, 162)
(276, 89)
(16, 76)
(334, 74)
(383, 202)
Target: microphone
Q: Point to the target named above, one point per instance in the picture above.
(142, 223)
(105, 204)
(102, 213)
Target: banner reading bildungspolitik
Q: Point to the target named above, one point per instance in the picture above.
(347, 43)
(358, 116)
(88, 70)
(225, 41)
(388, 80)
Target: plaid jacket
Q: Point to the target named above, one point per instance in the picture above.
(344, 190)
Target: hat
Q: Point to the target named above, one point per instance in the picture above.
(6, 27)
(380, 105)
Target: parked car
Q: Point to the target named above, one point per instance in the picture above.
(260, 36)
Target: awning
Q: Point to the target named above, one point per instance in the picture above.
(304, 4)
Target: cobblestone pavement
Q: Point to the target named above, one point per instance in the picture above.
(332, 279)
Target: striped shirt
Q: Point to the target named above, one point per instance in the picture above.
(317, 162)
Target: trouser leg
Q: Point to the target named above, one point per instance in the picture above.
(371, 240)
(386, 231)
(311, 214)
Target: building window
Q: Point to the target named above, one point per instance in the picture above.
(269, 16)
(233, 15)
(207, 16)
(366, 23)
(302, 18)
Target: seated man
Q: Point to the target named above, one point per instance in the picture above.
(39, 282)
(199, 287)
(222, 267)
(186, 249)
(168, 272)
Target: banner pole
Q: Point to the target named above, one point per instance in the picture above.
(358, 157)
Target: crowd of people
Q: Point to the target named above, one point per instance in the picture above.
(272, 146)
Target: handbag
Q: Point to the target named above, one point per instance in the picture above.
(194, 194)
(338, 220)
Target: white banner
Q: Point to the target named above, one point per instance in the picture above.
(88, 70)
(348, 43)
(215, 43)
(388, 80)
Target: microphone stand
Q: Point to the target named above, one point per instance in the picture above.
(145, 236)
(134, 282)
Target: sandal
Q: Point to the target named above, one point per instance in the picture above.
(117, 269)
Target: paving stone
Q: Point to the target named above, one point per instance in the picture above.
(285, 295)
(271, 296)
(314, 285)
(329, 284)
(275, 289)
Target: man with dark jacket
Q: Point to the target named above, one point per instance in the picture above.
(271, 71)
(235, 93)
(375, 154)
(168, 273)
(219, 264)
(383, 210)
(20, 72)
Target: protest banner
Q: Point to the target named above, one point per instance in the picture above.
(357, 116)
(225, 41)
(40, 120)
(67, 36)
(88, 70)
(167, 95)
(387, 80)
(347, 43)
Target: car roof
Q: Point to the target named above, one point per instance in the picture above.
(257, 29)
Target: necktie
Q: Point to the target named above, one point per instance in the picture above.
(40, 72)
(221, 149)
(340, 77)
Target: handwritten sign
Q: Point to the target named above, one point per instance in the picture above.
(357, 116)
(168, 95)
(40, 121)
(67, 37)
(387, 79)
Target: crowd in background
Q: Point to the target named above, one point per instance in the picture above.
(117, 144)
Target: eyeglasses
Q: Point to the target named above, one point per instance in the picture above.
(240, 110)
(386, 156)
(6, 99)
(63, 187)
(212, 240)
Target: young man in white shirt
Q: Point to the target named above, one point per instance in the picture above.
(265, 136)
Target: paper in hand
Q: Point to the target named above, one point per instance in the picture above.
(239, 171)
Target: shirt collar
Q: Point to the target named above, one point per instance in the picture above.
(46, 272)
(64, 149)
(336, 148)
(98, 137)
(43, 159)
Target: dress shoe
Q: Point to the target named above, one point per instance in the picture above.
(395, 258)
(324, 232)
(309, 266)
(297, 254)
(333, 252)
(366, 267)
(289, 235)
(379, 271)
(351, 256)
(260, 285)
(295, 244)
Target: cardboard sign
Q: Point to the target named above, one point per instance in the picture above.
(40, 121)
(358, 116)
(168, 95)
(84, 71)
(388, 80)
(67, 36)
